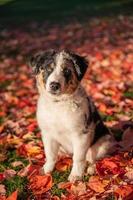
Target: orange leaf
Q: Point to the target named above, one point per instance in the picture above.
(40, 184)
(13, 196)
(97, 185)
(55, 198)
(79, 188)
(63, 164)
(65, 185)
(125, 191)
(110, 166)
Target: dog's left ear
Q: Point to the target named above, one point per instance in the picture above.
(81, 65)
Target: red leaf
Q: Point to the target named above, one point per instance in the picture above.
(40, 184)
(63, 164)
(2, 176)
(126, 192)
(109, 166)
(13, 196)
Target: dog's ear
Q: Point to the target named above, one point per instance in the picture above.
(81, 65)
(41, 59)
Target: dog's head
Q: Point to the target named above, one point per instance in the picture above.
(58, 72)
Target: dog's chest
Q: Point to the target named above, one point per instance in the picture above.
(61, 117)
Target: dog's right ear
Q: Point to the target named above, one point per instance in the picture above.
(40, 60)
(33, 63)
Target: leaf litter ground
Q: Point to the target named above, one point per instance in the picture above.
(108, 45)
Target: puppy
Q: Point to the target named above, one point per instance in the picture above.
(67, 117)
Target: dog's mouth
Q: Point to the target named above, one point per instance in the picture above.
(54, 92)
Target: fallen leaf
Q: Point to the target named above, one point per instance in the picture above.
(129, 174)
(40, 184)
(9, 173)
(13, 196)
(78, 189)
(63, 164)
(110, 165)
(2, 176)
(2, 197)
(17, 163)
(125, 192)
(2, 189)
(24, 171)
(97, 184)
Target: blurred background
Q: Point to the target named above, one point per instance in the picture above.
(16, 11)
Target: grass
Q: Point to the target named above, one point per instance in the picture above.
(128, 94)
(5, 84)
(15, 183)
(57, 11)
(59, 177)
(107, 118)
(11, 157)
(2, 2)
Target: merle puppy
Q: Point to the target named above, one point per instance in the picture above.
(67, 117)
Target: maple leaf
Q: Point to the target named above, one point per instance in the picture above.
(78, 189)
(63, 164)
(97, 184)
(40, 184)
(125, 192)
(110, 166)
(65, 185)
(13, 196)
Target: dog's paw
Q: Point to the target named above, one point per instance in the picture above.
(73, 178)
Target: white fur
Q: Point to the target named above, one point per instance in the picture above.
(61, 124)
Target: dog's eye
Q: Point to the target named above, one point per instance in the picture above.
(67, 72)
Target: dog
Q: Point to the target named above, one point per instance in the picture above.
(66, 115)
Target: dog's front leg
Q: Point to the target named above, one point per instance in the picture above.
(80, 147)
(51, 147)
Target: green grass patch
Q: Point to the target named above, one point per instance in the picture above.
(107, 117)
(1, 120)
(2, 2)
(15, 183)
(128, 95)
(86, 178)
(11, 157)
(5, 84)
(59, 177)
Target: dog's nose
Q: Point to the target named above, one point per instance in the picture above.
(54, 86)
